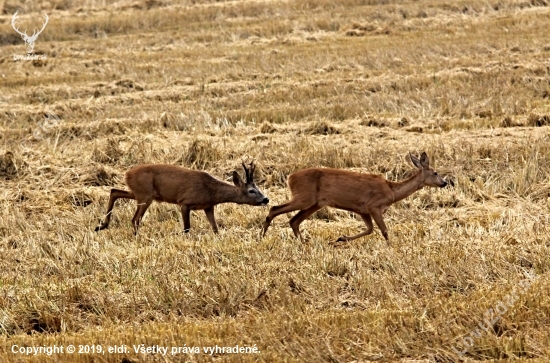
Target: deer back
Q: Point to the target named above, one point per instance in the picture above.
(168, 183)
(340, 188)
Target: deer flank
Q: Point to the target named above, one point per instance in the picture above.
(367, 195)
(190, 189)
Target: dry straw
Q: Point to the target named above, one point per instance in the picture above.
(352, 84)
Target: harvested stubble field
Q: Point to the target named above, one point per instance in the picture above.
(353, 84)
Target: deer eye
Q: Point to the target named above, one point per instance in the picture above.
(252, 191)
(435, 173)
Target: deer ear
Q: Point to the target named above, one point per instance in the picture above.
(237, 179)
(415, 161)
(424, 161)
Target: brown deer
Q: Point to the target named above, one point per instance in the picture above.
(190, 189)
(367, 195)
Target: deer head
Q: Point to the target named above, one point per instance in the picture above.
(249, 191)
(28, 39)
(429, 175)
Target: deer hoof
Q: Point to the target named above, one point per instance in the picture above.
(342, 239)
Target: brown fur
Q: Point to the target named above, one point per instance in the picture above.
(367, 195)
(190, 189)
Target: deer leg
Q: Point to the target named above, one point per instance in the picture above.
(140, 211)
(186, 216)
(210, 215)
(115, 194)
(299, 218)
(368, 222)
(377, 216)
(280, 209)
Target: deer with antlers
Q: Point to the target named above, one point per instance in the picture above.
(190, 189)
(30, 40)
(367, 195)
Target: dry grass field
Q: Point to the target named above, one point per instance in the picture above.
(354, 84)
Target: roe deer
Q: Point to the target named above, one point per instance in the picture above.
(190, 189)
(365, 194)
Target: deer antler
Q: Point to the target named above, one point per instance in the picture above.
(13, 20)
(249, 172)
(246, 172)
(35, 34)
(252, 168)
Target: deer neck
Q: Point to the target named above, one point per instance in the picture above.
(403, 189)
(227, 193)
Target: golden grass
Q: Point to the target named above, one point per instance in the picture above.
(353, 84)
